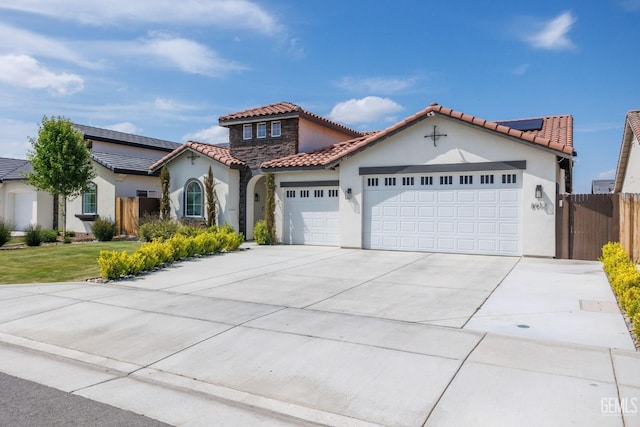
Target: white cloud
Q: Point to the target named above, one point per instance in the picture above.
(14, 142)
(164, 104)
(553, 34)
(630, 5)
(17, 41)
(610, 174)
(379, 85)
(184, 54)
(25, 71)
(212, 135)
(126, 127)
(520, 69)
(365, 110)
(221, 13)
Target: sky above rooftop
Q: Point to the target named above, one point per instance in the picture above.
(168, 69)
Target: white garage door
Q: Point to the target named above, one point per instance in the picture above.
(311, 216)
(23, 204)
(467, 212)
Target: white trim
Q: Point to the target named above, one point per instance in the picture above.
(273, 135)
(244, 133)
(258, 130)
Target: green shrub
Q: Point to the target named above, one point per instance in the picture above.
(5, 231)
(113, 264)
(104, 229)
(625, 280)
(33, 235)
(155, 228)
(261, 233)
(70, 233)
(233, 240)
(159, 251)
(49, 236)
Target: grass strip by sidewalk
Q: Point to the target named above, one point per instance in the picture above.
(56, 263)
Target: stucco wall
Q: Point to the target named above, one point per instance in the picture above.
(40, 212)
(227, 185)
(631, 183)
(313, 136)
(105, 181)
(463, 144)
(320, 175)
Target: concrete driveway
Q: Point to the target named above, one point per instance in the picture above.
(294, 335)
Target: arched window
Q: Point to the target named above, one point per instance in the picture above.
(90, 200)
(193, 199)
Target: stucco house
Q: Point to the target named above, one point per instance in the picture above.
(628, 169)
(121, 161)
(20, 203)
(439, 180)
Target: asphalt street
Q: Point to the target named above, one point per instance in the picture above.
(28, 404)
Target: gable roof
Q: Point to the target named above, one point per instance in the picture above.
(555, 134)
(631, 128)
(281, 110)
(107, 135)
(216, 152)
(13, 169)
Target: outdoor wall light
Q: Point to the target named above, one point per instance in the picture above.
(347, 194)
(256, 197)
(538, 191)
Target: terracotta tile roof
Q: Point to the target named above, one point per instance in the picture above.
(282, 108)
(215, 152)
(631, 128)
(556, 134)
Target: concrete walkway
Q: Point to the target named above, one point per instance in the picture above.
(302, 335)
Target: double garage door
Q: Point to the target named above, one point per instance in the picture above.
(478, 213)
(311, 215)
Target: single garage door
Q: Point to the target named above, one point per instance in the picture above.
(311, 216)
(477, 213)
(23, 204)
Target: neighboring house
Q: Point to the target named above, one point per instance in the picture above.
(439, 180)
(20, 203)
(121, 162)
(628, 170)
(602, 186)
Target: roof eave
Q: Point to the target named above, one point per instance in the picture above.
(623, 158)
(293, 168)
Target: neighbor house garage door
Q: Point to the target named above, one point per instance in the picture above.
(23, 204)
(311, 215)
(475, 212)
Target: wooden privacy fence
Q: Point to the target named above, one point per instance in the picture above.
(585, 222)
(129, 210)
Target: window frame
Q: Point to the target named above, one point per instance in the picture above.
(247, 135)
(264, 126)
(93, 190)
(274, 134)
(187, 186)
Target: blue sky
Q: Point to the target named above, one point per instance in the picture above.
(168, 69)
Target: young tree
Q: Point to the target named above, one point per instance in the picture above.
(212, 198)
(165, 204)
(270, 206)
(61, 162)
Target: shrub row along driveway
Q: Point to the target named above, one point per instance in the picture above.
(287, 335)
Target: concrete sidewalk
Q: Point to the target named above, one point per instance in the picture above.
(300, 335)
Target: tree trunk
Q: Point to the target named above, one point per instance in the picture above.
(63, 205)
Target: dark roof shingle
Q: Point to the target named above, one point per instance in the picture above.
(119, 163)
(13, 169)
(113, 136)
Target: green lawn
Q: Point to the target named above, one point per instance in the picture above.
(56, 263)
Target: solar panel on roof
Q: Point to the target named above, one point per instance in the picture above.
(523, 125)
